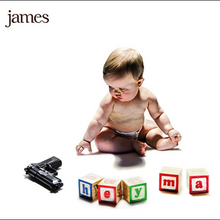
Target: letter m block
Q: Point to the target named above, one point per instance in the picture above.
(88, 186)
(109, 191)
(134, 189)
(170, 178)
(197, 180)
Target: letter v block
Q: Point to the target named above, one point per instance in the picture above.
(109, 191)
(197, 180)
(134, 189)
(170, 178)
(88, 186)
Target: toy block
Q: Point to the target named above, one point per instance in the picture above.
(170, 178)
(197, 180)
(134, 189)
(88, 186)
(109, 191)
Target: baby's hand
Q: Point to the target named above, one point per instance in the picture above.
(175, 136)
(82, 145)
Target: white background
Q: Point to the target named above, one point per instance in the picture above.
(51, 85)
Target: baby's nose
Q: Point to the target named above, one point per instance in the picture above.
(117, 91)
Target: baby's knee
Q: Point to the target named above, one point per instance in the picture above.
(98, 141)
(164, 144)
(160, 147)
(103, 141)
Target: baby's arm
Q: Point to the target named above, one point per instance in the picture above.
(162, 119)
(99, 120)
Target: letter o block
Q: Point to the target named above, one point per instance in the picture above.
(109, 191)
(197, 180)
(88, 186)
(134, 189)
(170, 179)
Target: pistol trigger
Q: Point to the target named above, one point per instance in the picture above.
(50, 169)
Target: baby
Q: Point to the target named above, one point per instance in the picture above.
(119, 125)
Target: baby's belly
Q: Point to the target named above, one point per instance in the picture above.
(126, 125)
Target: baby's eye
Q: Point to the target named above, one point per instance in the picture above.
(110, 88)
(123, 89)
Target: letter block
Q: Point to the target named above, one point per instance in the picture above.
(88, 186)
(134, 189)
(170, 178)
(197, 180)
(110, 191)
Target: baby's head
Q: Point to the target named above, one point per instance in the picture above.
(123, 73)
(123, 61)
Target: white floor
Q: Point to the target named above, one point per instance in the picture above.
(51, 85)
(30, 200)
(159, 204)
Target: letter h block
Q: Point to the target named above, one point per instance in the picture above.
(170, 179)
(197, 180)
(134, 189)
(109, 191)
(88, 186)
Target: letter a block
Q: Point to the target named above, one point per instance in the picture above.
(197, 180)
(88, 186)
(134, 189)
(170, 178)
(110, 191)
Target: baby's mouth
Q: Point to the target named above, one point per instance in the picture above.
(118, 97)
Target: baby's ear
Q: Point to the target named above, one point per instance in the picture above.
(140, 82)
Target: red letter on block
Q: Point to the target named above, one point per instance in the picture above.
(199, 184)
(107, 194)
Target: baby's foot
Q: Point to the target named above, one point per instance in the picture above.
(139, 147)
(165, 144)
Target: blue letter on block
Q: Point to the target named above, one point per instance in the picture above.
(85, 189)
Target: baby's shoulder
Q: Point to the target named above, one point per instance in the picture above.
(107, 100)
(146, 94)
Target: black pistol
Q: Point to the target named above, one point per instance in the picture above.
(44, 173)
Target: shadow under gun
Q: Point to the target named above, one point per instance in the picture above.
(45, 173)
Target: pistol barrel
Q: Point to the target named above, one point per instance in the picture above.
(39, 173)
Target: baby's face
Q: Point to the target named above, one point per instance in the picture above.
(124, 89)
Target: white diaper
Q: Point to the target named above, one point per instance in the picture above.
(131, 135)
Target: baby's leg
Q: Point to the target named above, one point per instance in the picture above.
(110, 142)
(154, 136)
